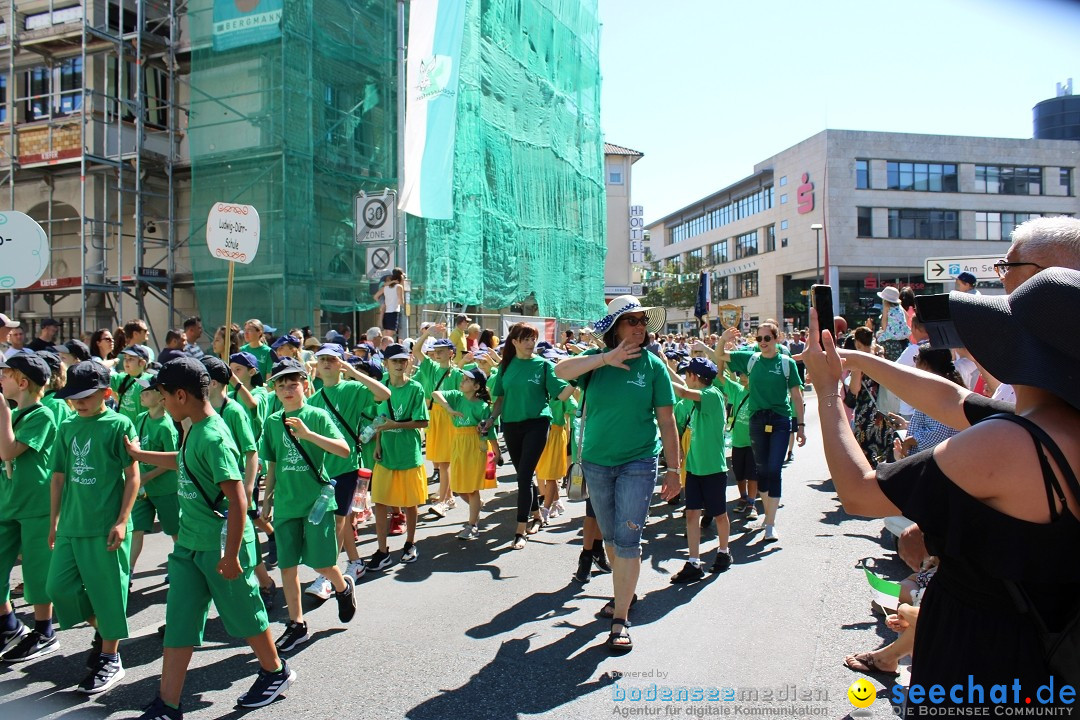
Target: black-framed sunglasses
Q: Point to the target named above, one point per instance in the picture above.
(763, 338)
(635, 321)
(1002, 267)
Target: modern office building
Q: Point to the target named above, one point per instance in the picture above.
(885, 202)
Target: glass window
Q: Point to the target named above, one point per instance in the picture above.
(1000, 225)
(862, 174)
(615, 172)
(783, 181)
(783, 199)
(921, 176)
(718, 253)
(746, 245)
(3, 98)
(746, 284)
(719, 287)
(770, 238)
(54, 92)
(865, 222)
(735, 210)
(1065, 178)
(1008, 180)
(912, 223)
(783, 224)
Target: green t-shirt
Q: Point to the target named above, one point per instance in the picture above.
(264, 355)
(526, 385)
(24, 493)
(475, 411)
(157, 435)
(351, 400)
(706, 455)
(127, 394)
(560, 409)
(430, 373)
(208, 457)
(620, 410)
(768, 388)
(683, 409)
(255, 415)
(90, 453)
(60, 409)
(401, 448)
(296, 488)
(738, 399)
(238, 422)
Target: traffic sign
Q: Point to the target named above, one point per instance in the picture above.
(375, 217)
(380, 260)
(947, 268)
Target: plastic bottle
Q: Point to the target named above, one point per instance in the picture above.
(322, 504)
(224, 532)
(369, 431)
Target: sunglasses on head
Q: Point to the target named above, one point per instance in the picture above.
(635, 321)
(763, 338)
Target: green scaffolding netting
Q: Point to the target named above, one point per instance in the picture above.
(293, 117)
(529, 203)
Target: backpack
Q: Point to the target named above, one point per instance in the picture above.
(753, 361)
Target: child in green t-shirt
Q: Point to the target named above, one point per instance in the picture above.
(214, 556)
(125, 385)
(741, 461)
(27, 440)
(94, 484)
(60, 409)
(245, 367)
(294, 444)
(157, 486)
(706, 466)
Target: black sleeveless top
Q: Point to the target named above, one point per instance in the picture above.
(969, 623)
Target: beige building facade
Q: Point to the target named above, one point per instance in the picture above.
(886, 202)
(625, 224)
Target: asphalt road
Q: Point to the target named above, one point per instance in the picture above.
(476, 630)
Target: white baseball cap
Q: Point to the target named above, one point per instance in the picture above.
(7, 322)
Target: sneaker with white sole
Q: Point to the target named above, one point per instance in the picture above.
(267, 687)
(105, 673)
(346, 600)
(33, 645)
(751, 513)
(468, 532)
(379, 561)
(410, 554)
(321, 588)
(158, 710)
(11, 638)
(438, 510)
(451, 503)
(545, 515)
(295, 633)
(557, 505)
(770, 534)
(356, 569)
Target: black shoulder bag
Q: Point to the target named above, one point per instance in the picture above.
(438, 385)
(1061, 649)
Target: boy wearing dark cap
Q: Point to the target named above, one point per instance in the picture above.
(294, 443)
(157, 485)
(94, 484)
(214, 555)
(244, 366)
(27, 440)
(73, 352)
(125, 385)
(706, 465)
(57, 375)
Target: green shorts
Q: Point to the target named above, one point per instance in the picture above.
(86, 580)
(300, 542)
(194, 581)
(28, 537)
(165, 507)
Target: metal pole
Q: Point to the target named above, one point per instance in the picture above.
(403, 241)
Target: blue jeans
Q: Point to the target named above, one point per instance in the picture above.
(770, 448)
(620, 497)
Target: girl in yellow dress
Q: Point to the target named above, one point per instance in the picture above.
(468, 408)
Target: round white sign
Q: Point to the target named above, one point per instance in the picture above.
(24, 250)
(232, 232)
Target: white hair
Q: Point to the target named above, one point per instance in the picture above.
(1054, 241)
(373, 333)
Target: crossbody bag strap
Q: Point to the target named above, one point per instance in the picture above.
(731, 418)
(212, 504)
(438, 385)
(334, 411)
(26, 414)
(689, 419)
(125, 385)
(307, 458)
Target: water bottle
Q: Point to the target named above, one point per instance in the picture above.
(322, 504)
(369, 431)
(224, 531)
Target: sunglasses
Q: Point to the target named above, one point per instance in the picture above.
(635, 321)
(763, 338)
(1002, 267)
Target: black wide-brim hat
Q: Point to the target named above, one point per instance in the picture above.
(1029, 337)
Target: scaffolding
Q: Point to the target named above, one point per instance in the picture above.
(91, 117)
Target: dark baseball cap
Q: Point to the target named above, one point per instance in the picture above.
(966, 277)
(286, 366)
(331, 349)
(181, 373)
(83, 380)
(246, 359)
(75, 348)
(395, 351)
(51, 359)
(29, 364)
(702, 367)
(138, 351)
(217, 369)
(442, 343)
(285, 340)
(50, 322)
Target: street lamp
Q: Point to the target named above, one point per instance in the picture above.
(817, 228)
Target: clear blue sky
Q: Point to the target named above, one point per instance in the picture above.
(707, 88)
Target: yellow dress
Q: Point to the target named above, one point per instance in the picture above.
(439, 432)
(468, 460)
(684, 443)
(400, 488)
(553, 463)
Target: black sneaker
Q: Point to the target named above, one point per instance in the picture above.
(267, 595)
(599, 558)
(584, 567)
(103, 675)
(158, 710)
(33, 645)
(295, 633)
(379, 561)
(271, 551)
(346, 601)
(9, 639)
(689, 573)
(95, 649)
(722, 562)
(409, 553)
(267, 687)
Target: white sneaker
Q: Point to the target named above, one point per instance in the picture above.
(321, 588)
(356, 569)
(770, 534)
(451, 503)
(545, 514)
(438, 510)
(559, 506)
(553, 512)
(468, 532)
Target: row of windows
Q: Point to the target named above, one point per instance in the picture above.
(744, 285)
(999, 225)
(942, 224)
(746, 245)
(942, 177)
(723, 215)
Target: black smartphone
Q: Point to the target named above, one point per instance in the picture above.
(821, 300)
(933, 312)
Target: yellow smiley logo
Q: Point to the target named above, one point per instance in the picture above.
(862, 693)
